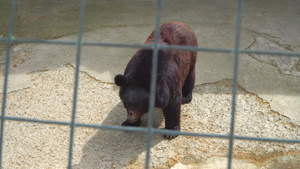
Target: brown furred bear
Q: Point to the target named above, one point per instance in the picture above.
(175, 77)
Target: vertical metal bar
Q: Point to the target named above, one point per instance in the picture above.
(8, 44)
(153, 85)
(235, 77)
(79, 45)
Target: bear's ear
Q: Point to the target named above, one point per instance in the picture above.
(120, 80)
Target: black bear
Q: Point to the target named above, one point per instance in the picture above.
(175, 77)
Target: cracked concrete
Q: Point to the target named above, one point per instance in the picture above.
(41, 86)
(286, 65)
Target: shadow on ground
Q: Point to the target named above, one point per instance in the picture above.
(109, 148)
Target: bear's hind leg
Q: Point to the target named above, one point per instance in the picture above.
(188, 87)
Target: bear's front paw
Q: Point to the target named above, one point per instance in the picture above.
(127, 123)
(171, 136)
(187, 99)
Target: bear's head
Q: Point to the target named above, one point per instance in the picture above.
(135, 98)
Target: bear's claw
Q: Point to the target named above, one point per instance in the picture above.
(186, 99)
(171, 136)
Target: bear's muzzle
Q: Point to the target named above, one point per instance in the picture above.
(132, 116)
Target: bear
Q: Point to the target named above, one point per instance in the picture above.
(175, 77)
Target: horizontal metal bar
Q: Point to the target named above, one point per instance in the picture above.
(173, 132)
(150, 46)
(266, 139)
(144, 46)
(193, 48)
(108, 127)
(144, 130)
(270, 53)
(22, 119)
(58, 42)
(123, 45)
(55, 122)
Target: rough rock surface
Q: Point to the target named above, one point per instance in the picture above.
(50, 98)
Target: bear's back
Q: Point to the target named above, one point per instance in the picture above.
(175, 33)
(173, 65)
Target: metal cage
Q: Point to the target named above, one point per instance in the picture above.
(155, 47)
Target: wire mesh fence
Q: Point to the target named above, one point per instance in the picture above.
(155, 47)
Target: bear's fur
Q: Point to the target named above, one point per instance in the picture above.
(175, 77)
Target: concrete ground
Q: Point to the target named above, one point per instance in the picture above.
(42, 77)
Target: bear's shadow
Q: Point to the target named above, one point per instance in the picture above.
(111, 148)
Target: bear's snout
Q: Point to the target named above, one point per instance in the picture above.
(132, 116)
(131, 113)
